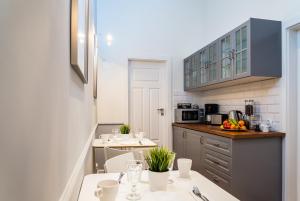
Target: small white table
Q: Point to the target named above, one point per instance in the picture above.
(123, 144)
(179, 190)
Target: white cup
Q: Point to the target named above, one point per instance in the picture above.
(107, 190)
(184, 166)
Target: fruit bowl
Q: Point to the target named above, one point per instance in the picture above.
(233, 125)
(234, 129)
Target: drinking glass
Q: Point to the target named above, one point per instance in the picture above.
(115, 131)
(140, 135)
(134, 171)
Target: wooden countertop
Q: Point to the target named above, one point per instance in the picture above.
(215, 130)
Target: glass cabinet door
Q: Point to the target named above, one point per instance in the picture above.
(226, 57)
(212, 63)
(241, 51)
(187, 73)
(204, 66)
(197, 69)
(193, 73)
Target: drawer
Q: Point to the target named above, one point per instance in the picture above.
(219, 144)
(222, 180)
(218, 161)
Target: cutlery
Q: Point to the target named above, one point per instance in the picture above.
(193, 196)
(120, 177)
(196, 191)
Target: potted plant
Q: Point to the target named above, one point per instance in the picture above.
(159, 160)
(125, 129)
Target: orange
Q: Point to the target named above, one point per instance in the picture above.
(241, 123)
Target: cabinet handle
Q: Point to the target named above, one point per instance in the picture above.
(183, 134)
(216, 162)
(201, 140)
(217, 145)
(233, 54)
(215, 179)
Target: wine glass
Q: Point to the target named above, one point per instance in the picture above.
(134, 171)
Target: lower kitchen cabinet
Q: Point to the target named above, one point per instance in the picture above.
(250, 169)
(193, 148)
(178, 144)
(186, 144)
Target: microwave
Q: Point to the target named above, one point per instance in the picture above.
(189, 115)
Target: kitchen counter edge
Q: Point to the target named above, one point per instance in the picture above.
(215, 130)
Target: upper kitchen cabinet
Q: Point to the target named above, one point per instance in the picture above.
(187, 73)
(203, 67)
(251, 52)
(226, 57)
(241, 53)
(212, 65)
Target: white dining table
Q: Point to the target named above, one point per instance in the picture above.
(125, 143)
(179, 189)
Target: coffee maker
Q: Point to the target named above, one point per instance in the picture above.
(210, 109)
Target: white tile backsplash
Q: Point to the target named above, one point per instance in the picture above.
(266, 95)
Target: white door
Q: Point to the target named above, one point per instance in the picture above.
(147, 98)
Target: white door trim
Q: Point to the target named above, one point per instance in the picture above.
(167, 139)
(290, 93)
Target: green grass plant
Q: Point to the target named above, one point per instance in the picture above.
(159, 159)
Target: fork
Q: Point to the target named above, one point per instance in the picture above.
(120, 177)
(197, 192)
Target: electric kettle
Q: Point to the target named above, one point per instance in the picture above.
(235, 114)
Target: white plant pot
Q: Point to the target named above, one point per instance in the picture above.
(158, 180)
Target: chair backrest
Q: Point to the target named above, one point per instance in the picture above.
(111, 152)
(121, 155)
(106, 128)
(118, 163)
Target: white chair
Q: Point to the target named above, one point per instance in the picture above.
(118, 163)
(112, 152)
(116, 159)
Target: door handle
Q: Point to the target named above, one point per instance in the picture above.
(162, 111)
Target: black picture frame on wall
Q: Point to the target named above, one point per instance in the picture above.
(79, 38)
(95, 67)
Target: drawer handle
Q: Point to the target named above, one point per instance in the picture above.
(217, 145)
(216, 162)
(215, 179)
(201, 140)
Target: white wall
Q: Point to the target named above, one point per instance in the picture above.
(46, 112)
(266, 94)
(113, 101)
(144, 29)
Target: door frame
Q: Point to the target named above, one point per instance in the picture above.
(290, 90)
(167, 139)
